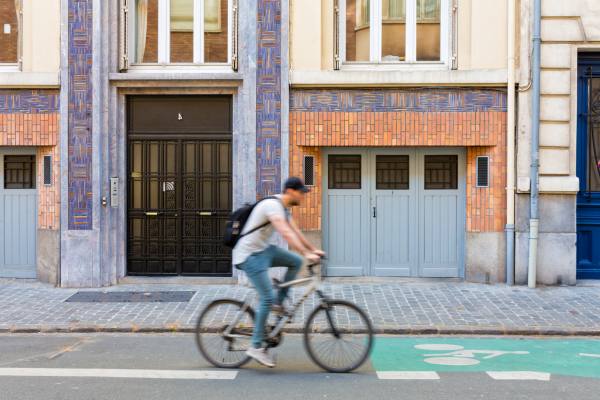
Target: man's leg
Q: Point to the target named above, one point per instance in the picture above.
(257, 267)
(291, 260)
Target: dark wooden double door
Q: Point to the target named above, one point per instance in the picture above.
(179, 187)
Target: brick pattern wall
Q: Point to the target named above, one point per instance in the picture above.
(472, 118)
(48, 195)
(8, 42)
(31, 118)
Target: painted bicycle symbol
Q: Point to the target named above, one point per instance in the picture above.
(458, 355)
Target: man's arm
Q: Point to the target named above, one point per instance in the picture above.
(294, 240)
(301, 236)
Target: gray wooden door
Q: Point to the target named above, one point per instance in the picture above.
(441, 213)
(395, 212)
(346, 199)
(18, 214)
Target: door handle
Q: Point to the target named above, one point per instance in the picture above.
(204, 213)
(374, 212)
(151, 213)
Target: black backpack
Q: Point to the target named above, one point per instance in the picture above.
(236, 222)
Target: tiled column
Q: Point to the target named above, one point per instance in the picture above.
(80, 115)
(268, 96)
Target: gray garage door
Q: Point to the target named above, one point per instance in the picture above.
(18, 214)
(394, 212)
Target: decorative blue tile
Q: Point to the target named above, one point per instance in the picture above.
(268, 97)
(80, 115)
(414, 100)
(28, 101)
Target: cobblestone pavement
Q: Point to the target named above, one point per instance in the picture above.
(399, 307)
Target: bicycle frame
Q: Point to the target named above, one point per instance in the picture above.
(315, 283)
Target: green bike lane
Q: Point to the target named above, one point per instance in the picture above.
(570, 357)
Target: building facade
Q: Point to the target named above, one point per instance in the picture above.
(29, 139)
(131, 128)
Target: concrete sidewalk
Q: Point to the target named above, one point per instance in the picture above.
(411, 307)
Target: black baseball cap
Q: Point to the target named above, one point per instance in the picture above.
(295, 183)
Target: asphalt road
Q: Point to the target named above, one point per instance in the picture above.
(168, 366)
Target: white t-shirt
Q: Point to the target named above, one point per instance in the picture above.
(260, 239)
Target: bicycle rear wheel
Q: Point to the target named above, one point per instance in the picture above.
(338, 336)
(220, 350)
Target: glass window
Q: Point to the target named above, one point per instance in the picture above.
(146, 32)
(19, 172)
(393, 31)
(441, 172)
(215, 31)
(593, 170)
(428, 30)
(392, 172)
(344, 171)
(165, 31)
(182, 31)
(9, 31)
(358, 30)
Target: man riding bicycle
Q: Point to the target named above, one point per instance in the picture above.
(254, 254)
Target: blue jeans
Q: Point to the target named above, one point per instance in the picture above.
(257, 267)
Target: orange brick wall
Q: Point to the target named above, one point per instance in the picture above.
(25, 129)
(48, 195)
(483, 133)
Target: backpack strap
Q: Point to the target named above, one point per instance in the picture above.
(263, 225)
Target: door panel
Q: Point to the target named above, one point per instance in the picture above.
(178, 205)
(393, 235)
(441, 214)
(588, 168)
(345, 205)
(18, 216)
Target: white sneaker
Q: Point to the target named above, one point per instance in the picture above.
(261, 356)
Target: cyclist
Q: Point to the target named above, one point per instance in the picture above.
(255, 254)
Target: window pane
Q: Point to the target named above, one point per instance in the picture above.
(358, 30)
(428, 30)
(182, 31)
(9, 31)
(393, 32)
(344, 172)
(19, 172)
(441, 172)
(215, 31)
(593, 173)
(392, 173)
(146, 31)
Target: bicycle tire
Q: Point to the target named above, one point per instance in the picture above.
(202, 332)
(314, 353)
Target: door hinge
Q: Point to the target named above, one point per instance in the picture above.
(374, 212)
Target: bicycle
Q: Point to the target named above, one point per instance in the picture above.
(332, 325)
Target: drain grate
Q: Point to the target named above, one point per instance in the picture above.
(131, 297)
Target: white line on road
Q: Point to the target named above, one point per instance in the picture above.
(118, 373)
(519, 375)
(406, 375)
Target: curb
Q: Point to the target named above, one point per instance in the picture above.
(469, 331)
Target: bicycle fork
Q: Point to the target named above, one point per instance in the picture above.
(325, 305)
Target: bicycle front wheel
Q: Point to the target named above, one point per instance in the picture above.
(338, 336)
(221, 346)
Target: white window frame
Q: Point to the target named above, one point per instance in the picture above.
(164, 38)
(410, 62)
(16, 66)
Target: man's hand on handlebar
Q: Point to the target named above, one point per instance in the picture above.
(314, 257)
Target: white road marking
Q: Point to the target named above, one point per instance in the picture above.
(589, 355)
(519, 375)
(119, 373)
(408, 375)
